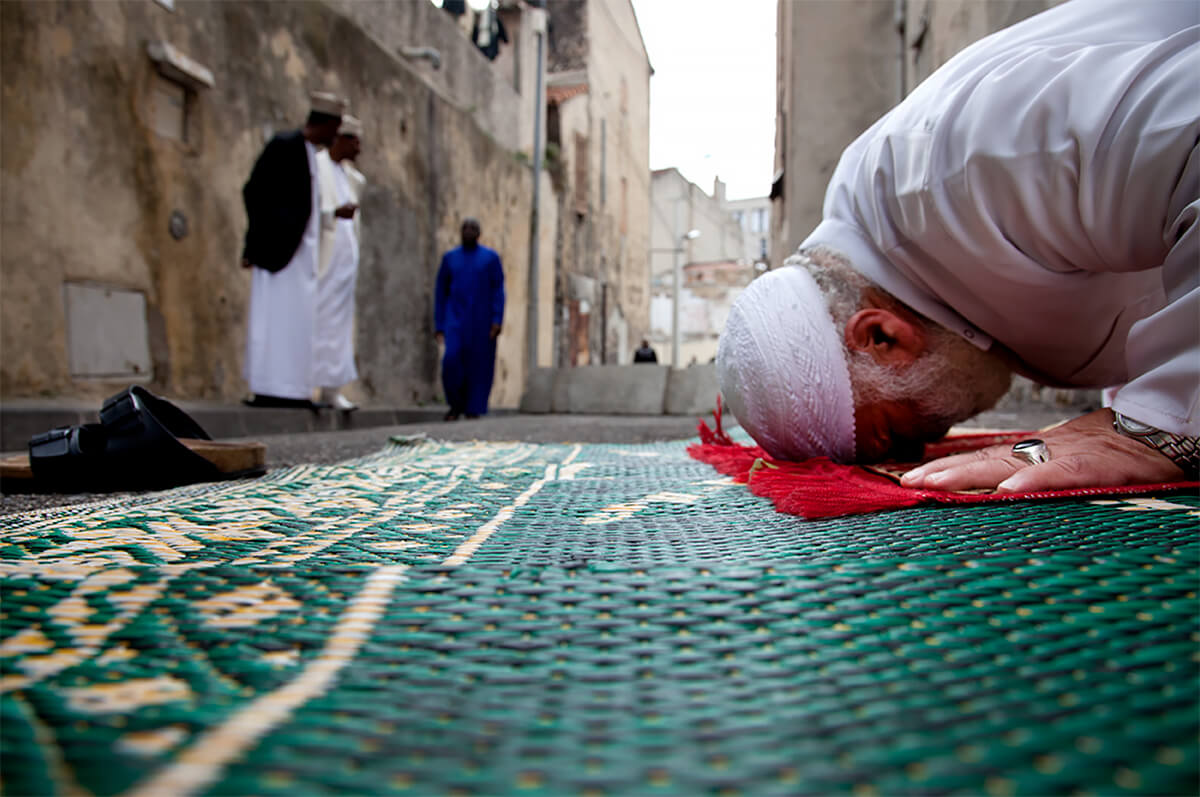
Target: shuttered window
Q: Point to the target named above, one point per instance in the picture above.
(581, 174)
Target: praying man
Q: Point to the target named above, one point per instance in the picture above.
(1032, 207)
(468, 315)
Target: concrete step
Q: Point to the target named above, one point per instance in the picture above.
(20, 419)
(622, 390)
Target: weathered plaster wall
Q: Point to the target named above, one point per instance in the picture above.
(465, 77)
(87, 188)
(838, 73)
(604, 237)
(619, 96)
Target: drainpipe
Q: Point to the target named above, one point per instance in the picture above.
(430, 54)
(900, 18)
(538, 25)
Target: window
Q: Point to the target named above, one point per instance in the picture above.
(603, 161)
(581, 174)
(553, 126)
(169, 108)
(173, 90)
(758, 220)
(624, 206)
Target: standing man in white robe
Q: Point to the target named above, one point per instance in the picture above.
(283, 201)
(333, 342)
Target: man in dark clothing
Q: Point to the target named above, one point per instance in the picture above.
(468, 313)
(282, 200)
(645, 354)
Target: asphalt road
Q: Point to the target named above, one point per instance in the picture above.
(330, 447)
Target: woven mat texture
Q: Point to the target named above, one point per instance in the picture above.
(490, 618)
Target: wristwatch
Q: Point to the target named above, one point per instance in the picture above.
(1184, 451)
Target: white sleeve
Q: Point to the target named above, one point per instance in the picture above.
(328, 191)
(1164, 348)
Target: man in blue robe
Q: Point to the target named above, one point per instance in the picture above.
(468, 312)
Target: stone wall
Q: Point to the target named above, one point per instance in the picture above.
(91, 193)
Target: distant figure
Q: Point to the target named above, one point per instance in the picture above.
(645, 354)
(333, 342)
(468, 312)
(282, 200)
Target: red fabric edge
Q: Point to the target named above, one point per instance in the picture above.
(821, 488)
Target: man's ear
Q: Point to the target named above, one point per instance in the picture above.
(890, 338)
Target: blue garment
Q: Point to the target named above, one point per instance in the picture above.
(469, 298)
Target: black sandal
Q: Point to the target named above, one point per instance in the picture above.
(143, 442)
(68, 457)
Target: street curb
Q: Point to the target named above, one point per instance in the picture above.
(21, 419)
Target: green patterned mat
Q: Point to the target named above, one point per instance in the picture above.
(589, 619)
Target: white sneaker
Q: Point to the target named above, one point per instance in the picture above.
(344, 404)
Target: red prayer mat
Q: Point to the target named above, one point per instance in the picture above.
(821, 488)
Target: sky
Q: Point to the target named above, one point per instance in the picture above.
(712, 95)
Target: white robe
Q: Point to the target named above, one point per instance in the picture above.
(279, 337)
(1042, 189)
(333, 340)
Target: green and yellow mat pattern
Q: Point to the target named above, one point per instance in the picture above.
(492, 618)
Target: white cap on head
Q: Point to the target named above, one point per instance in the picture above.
(351, 126)
(782, 369)
(327, 103)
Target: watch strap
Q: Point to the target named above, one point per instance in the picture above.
(1183, 450)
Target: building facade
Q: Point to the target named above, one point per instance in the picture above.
(598, 155)
(753, 215)
(697, 235)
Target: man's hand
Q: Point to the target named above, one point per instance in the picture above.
(441, 338)
(346, 211)
(1085, 452)
(495, 333)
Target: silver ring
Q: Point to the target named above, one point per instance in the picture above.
(1032, 452)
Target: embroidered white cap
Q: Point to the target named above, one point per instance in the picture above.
(782, 369)
(351, 126)
(327, 103)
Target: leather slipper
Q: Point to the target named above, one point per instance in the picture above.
(143, 442)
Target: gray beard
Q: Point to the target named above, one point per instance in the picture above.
(950, 382)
